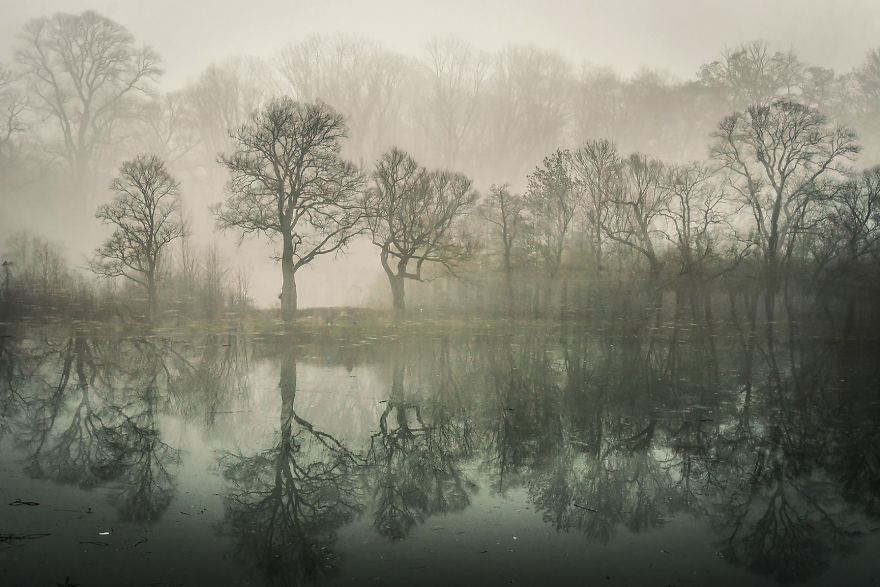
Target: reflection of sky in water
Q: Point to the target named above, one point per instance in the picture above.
(472, 460)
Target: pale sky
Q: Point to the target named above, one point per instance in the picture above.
(671, 35)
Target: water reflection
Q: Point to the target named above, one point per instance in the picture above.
(771, 440)
(287, 501)
(79, 433)
(414, 462)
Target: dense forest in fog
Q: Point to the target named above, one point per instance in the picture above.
(513, 183)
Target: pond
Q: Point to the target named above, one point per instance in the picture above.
(613, 454)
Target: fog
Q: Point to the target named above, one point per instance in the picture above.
(660, 45)
(410, 293)
(674, 36)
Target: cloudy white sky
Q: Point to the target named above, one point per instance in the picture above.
(672, 35)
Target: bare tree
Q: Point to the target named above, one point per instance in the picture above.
(597, 103)
(13, 106)
(412, 214)
(863, 103)
(752, 75)
(287, 180)
(166, 130)
(552, 202)
(145, 217)
(525, 112)
(505, 210)
(84, 73)
(355, 76)
(694, 213)
(221, 99)
(640, 201)
(455, 75)
(776, 157)
(846, 235)
(598, 168)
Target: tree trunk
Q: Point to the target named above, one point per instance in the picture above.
(508, 280)
(397, 294)
(396, 281)
(288, 283)
(152, 303)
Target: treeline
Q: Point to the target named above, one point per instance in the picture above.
(589, 184)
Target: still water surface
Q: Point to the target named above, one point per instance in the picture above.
(611, 455)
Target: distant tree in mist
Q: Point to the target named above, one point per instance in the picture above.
(13, 105)
(552, 201)
(505, 210)
(697, 215)
(85, 74)
(412, 214)
(38, 268)
(598, 168)
(753, 74)
(863, 101)
(448, 105)
(288, 181)
(221, 99)
(355, 76)
(145, 216)
(525, 110)
(166, 129)
(640, 201)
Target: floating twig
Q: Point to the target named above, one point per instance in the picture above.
(19, 501)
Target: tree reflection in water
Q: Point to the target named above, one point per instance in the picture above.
(771, 439)
(780, 504)
(288, 501)
(631, 431)
(415, 459)
(95, 423)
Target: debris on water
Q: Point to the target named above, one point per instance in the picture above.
(67, 583)
(85, 511)
(583, 507)
(11, 537)
(19, 501)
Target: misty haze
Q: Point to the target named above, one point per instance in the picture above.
(408, 293)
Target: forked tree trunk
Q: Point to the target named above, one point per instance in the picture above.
(397, 283)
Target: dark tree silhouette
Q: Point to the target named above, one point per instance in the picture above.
(412, 214)
(287, 181)
(145, 216)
